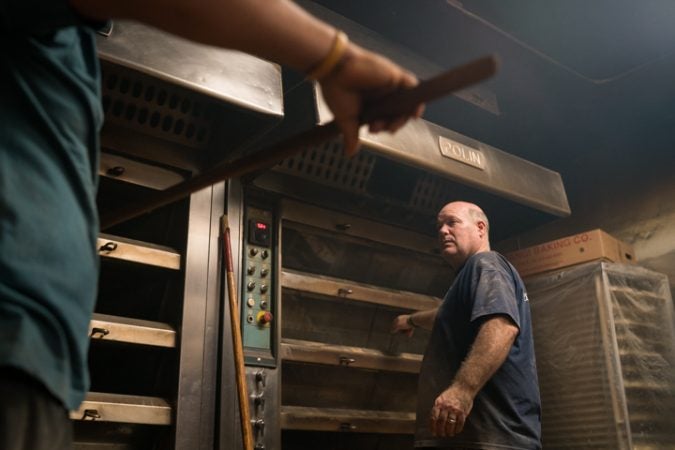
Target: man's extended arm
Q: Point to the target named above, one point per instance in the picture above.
(277, 30)
(272, 29)
(488, 353)
(406, 323)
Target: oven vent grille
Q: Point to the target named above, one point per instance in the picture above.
(155, 108)
(431, 193)
(325, 164)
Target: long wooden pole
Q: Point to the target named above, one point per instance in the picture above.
(392, 105)
(240, 372)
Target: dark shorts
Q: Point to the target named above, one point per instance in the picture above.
(30, 417)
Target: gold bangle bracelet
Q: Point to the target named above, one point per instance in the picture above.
(331, 60)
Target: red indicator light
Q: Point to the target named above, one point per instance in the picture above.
(261, 226)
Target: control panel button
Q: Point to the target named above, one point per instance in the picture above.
(260, 378)
(250, 285)
(253, 251)
(250, 270)
(264, 271)
(249, 318)
(264, 254)
(264, 317)
(250, 302)
(263, 304)
(263, 288)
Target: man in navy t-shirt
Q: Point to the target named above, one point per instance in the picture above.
(478, 385)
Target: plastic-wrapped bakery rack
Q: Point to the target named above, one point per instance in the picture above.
(605, 344)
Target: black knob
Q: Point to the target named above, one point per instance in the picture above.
(116, 171)
(264, 254)
(259, 400)
(263, 288)
(250, 285)
(250, 270)
(260, 377)
(253, 251)
(264, 271)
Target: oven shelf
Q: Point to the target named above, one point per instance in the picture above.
(117, 248)
(134, 172)
(335, 287)
(346, 420)
(340, 355)
(133, 331)
(106, 407)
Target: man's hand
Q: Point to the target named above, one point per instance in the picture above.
(401, 325)
(450, 411)
(488, 352)
(363, 76)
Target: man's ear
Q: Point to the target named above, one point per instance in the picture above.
(482, 228)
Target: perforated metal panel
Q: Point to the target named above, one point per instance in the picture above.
(327, 165)
(430, 193)
(156, 108)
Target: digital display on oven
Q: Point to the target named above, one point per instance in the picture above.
(259, 233)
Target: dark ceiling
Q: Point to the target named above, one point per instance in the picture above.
(586, 88)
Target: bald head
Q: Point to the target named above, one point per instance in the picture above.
(462, 231)
(477, 215)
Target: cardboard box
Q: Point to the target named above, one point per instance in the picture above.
(570, 250)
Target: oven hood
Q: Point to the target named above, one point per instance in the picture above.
(404, 178)
(179, 103)
(226, 75)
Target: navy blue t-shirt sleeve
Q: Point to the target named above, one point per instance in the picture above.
(494, 294)
(37, 16)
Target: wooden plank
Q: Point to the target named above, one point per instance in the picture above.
(341, 355)
(133, 331)
(131, 171)
(105, 407)
(346, 420)
(335, 287)
(114, 247)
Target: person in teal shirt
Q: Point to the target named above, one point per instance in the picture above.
(50, 117)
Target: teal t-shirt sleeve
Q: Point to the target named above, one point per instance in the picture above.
(37, 16)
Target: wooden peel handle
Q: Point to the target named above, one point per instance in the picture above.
(237, 345)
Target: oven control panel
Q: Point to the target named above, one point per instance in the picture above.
(258, 305)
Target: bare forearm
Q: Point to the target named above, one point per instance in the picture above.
(279, 31)
(424, 319)
(488, 353)
(272, 29)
